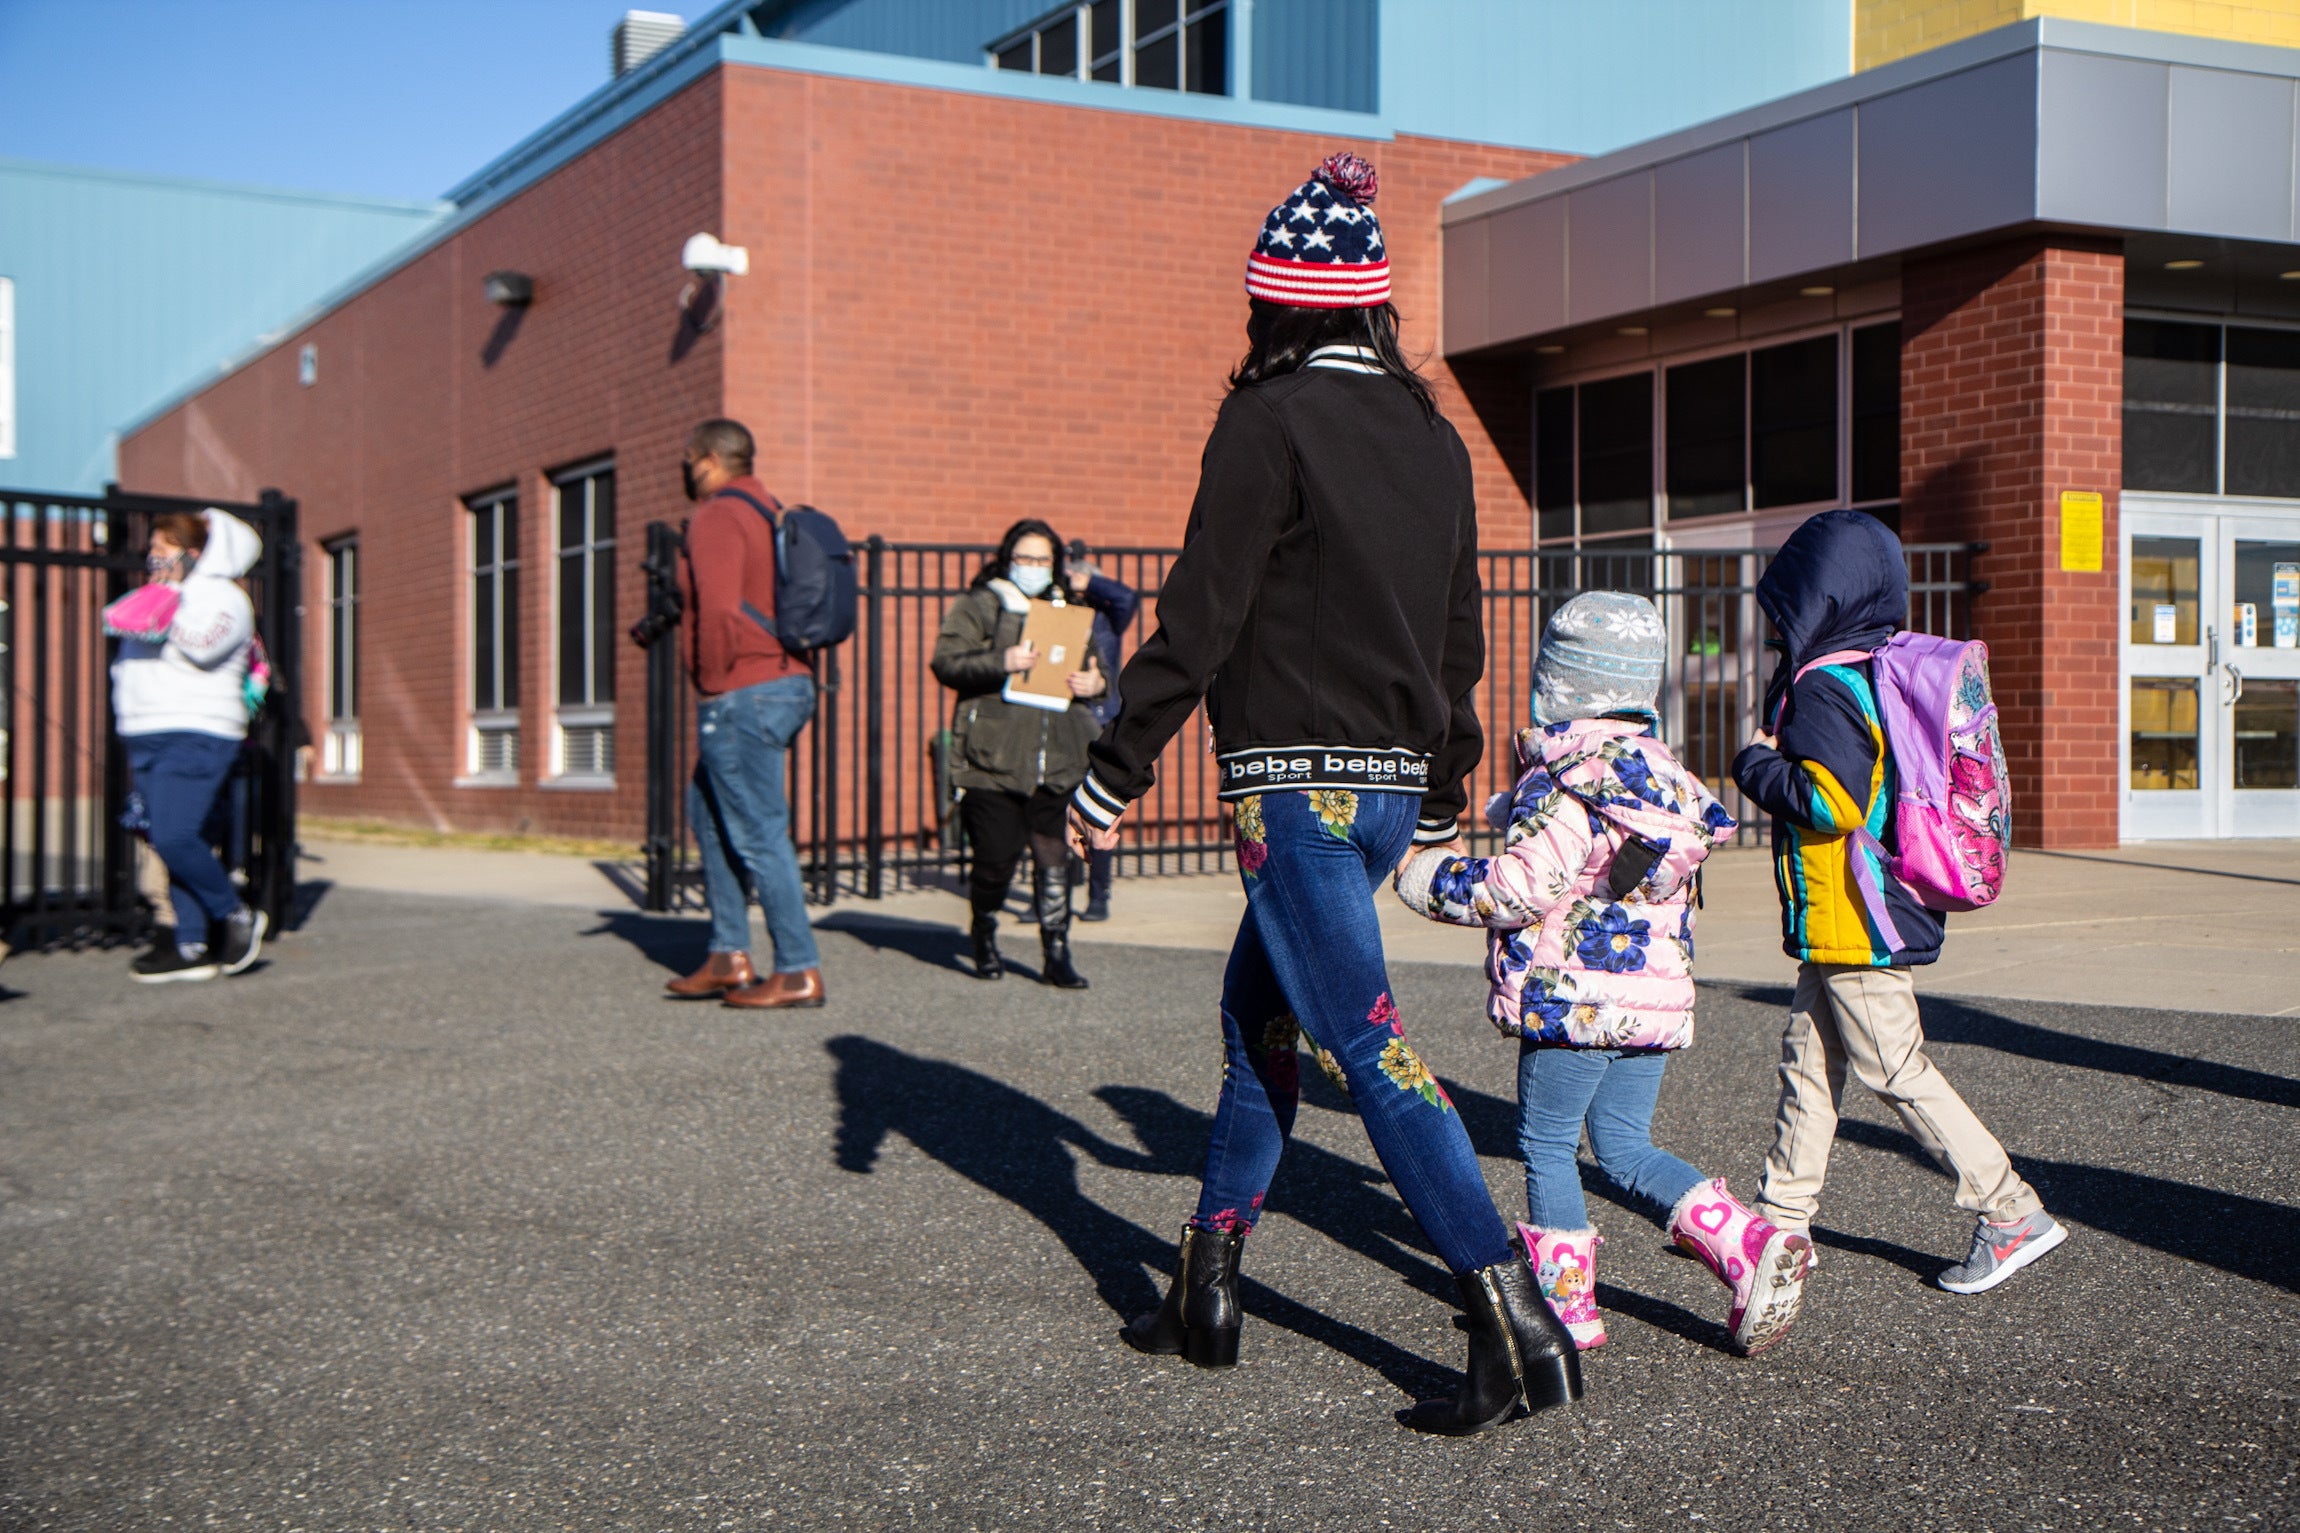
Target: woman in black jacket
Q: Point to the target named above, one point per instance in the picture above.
(1326, 606)
(1014, 764)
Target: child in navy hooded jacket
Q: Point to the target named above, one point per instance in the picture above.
(1822, 765)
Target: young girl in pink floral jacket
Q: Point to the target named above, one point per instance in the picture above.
(1591, 906)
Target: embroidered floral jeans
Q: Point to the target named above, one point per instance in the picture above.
(1307, 972)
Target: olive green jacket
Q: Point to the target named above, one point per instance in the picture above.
(997, 745)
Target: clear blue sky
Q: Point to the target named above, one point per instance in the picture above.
(387, 98)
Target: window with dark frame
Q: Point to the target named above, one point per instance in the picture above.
(1616, 441)
(1553, 449)
(1179, 45)
(1706, 404)
(1876, 413)
(2171, 406)
(585, 658)
(340, 745)
(494, 633)
(1793, 423)
(2261, 435)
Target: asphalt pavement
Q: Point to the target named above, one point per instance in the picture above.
(442, 1220)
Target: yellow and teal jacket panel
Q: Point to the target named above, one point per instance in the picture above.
(1833, 774)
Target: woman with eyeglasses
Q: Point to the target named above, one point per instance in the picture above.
(1014, 765)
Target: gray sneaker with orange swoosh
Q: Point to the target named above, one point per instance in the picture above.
(2000, 1250)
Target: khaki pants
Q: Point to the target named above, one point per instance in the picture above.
(1848, 1014)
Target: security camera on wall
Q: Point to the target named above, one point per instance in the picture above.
(705, 256)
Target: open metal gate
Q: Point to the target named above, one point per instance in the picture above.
(67, 868)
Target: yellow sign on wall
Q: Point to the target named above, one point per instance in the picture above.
(2080, 531)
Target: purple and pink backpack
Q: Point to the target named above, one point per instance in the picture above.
(1953, 818)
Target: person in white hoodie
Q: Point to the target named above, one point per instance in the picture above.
(179, 695)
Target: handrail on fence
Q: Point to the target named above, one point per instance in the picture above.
(870, 799)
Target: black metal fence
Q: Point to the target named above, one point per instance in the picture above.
(67, 869)
(870, 806)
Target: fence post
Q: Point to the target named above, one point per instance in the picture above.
(284, 617)
(874, 743)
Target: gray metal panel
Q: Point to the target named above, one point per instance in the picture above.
(1466, 286)
(1525, 270)
(1949, 157)
(1801, 197)
(2231, 154)
(1699, 243)
(2102, 157)
(1609, 265)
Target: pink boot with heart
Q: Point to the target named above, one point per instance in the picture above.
(1764, 1267)
(1565, 1265)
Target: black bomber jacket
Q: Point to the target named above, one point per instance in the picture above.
(1325, 603)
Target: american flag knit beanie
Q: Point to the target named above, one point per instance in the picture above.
(1322, 247)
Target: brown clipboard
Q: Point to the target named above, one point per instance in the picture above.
(1064, 639)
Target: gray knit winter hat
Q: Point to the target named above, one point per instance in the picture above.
(1601, 653)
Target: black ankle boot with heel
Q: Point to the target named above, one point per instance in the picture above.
(1050, 888)
(1200, 1318)
(987, 962)
(1518, 1351)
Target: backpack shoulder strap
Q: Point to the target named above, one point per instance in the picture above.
(756, 504)
(1834, 657)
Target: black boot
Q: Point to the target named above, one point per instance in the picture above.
(1098, 871)
(1052, 888)
(987, 963)
(1200, 1317)
(1518, 1350)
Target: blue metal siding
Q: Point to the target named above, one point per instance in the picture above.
(128, 287)
(1318, 53)
(1587, 76)
(952, 30)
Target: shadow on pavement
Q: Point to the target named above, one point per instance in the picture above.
(933, 943)
(679, 944)
(305, 902)
(2246, 1237)
(1014, 1145)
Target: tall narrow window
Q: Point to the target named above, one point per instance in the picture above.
(1877, 413)
(1708, 469)
(1617, 456)
(2263, 427)
(493, 751)
(1793, 422)
(1553, 462)
(586, 626)
(340, 750)
(2171, 406)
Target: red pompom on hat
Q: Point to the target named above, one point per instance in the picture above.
(1322, 247)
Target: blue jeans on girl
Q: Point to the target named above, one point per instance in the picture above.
(179, 772)
(1308, 960)
(741, 815)
(1613, 1092)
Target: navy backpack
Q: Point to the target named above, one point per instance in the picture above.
(814, 579)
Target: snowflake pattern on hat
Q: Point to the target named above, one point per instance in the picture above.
(1322, 247)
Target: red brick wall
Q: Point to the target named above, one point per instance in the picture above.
(408, 416)
(2012, 384)
(960, 310)
(967, 309)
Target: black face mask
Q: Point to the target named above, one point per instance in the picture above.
(687, 480)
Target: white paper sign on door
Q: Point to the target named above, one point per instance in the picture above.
(2167, 623)
(2284, 602)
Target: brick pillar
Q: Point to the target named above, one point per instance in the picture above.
(2012, 389)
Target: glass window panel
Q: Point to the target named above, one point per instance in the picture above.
(1553, 461)
(2267, 614)
(1111, 70)
(507, 529)
(603, 506)
(1058, 47)
(1876, 440)
(574, 498)
(1158, 65)
(1016, 56)
(2171, 398)
(484, 694)
(2263, 442)
(1708, 426)
(2164, 590)
(508, 666)
(574, 626)
(1793, 422)
(2267, 735)
(603, 649)
(1207, 65)
(1103, 26)
(2163, 733)
(1150, 15)
(1616, 435)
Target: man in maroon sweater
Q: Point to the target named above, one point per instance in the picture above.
(754, 697)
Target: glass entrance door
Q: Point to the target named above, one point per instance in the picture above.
(2211, 669)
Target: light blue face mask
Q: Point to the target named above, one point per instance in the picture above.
(1030, 579)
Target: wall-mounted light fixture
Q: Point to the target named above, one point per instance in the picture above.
(510, 289)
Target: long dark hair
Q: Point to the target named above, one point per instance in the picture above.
(1280, 338)
(995, 567)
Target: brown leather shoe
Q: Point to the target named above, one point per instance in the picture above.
(720, 973)
(780, 992)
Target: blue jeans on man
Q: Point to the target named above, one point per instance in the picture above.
(739, 806)
(179, 773)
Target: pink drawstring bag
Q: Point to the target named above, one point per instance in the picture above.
(145, 613)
